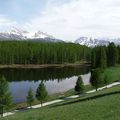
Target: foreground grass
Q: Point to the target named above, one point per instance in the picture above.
(102, 105)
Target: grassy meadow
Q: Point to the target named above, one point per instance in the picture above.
(101, 105)
(113, 73)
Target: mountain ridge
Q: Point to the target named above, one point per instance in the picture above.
(19, 34)
(92, 42)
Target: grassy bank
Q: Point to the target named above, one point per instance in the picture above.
(113, 73)
(102, 105)
(53, 97)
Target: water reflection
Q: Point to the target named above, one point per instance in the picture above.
(52, 73)
(56, 80)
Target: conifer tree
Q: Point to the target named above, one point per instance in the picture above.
(96, 79)
(118, 49)
(112, 54)
(103, 58)
(79, 87)
(30, 97)
(5, 97)
(93, 59)
(41, 93)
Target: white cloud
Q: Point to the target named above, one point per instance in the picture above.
(74, 18)
(6, 23)
(70, 20)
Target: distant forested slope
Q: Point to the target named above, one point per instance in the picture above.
(26, 52)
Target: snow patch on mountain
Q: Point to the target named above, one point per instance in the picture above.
(91, 42)
(19, 34)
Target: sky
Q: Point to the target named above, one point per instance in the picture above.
(64, 19)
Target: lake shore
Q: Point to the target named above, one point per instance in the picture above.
(53, 97)
(33, 66)
(102, 90)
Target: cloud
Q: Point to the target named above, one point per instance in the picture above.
(6, 23)
(76, 18)
(65, 19)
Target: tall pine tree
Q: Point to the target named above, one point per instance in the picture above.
(112, 54)
(30, 97)
(5, 97)
(41, 93)
(102, 58)
(96, 79)
(93, 58)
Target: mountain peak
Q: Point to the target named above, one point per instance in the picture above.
(40, 34)
(91, 42)
(19, 34)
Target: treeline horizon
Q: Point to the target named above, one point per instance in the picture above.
(105, 56)
(28, 52)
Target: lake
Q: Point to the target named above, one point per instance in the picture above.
(56, 79)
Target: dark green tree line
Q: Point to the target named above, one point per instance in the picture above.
(28, 52)
(105, 56)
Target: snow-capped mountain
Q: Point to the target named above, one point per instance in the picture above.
(19, 34)
(42, 35)
(91, 42)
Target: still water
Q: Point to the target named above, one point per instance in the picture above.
(56, 80)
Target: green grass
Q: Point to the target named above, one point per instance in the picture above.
(113, 73)
(102, 105)
(53, 97)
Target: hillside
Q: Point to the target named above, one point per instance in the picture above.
(102, 105)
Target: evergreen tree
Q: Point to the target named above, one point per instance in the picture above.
(118, 49)
(5, 97)
(103, 58)
(96, 79)
(30, 97)
(106, 80)
(112, 54)
(79, 85)
(41, 93)
(93, 59)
